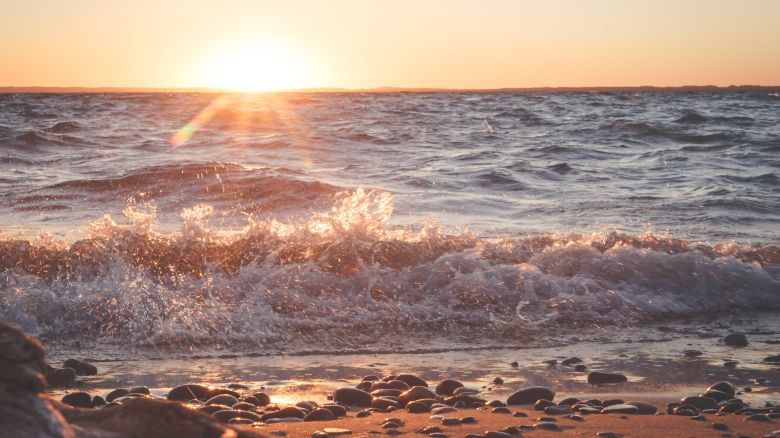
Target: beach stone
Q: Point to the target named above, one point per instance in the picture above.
(98, 401)
(465, 390)
(386, 393)
(725, 387)
(119, 392)
(530, 395)
(59, 377)
(416, 393)
(736, 340)
(717, 395)
(644, 408)
(383, 402)
(520, 414)
(78, 399)
(468, 420)
(307, 405)
(181, 393)
(319, 434)
(692, 353)
(543, 404)
(353, 396)
(576, 417)
(438, 435)
(450, 421)
(571, 401)
(498, 381)
(210, 409)
(443, 410)
(263, 399)
(222, 399)
(571, 361)
(239, 420)
(607, 435)
(496, 434)
(284, 420)
(82, 368)
(557, 410)
(411, 380)
(759, 417)
(139, 390)
(395, 420)
(338, 411)
(495, 403)
(580, 368)
(286, 412)
(244, 406)
(466, 399)
(237, 387)
(370, 378)
(547, 425)
(685, 411)
(698, 418)
(431, 429)
(501, 410)
(589, 411)
(447, 387)
(611, 402)
(416, 407)
(598, 378)
(388, 378)
(365, 386)
(620, 409)
(319, 414)
(226, 414)
(514, 364)
(594, 402)
(363, 414)
(397, 384)
(720, 426)
(700, 402)
(670, 407)
(772, 359)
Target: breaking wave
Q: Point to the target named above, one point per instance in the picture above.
(344, 278)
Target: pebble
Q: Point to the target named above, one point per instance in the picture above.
(78, 399)
(511, 430)
(59, 377)
(614, 401)
(692, 353)
(98, 401)
(416, 393)
(319, 414)
(183, 393)
(541, 405)
(336, 410)
(571, 361)
(139, 390)
(353, 396)
(700, 402)
(644, 408)
(363, 414)
(119, 392)
(438, 435)
(284, 420)
(698, 418)
(239, 420)
(417, 407)
(336, 431)
(772, 359)
(514, 364)
(498, 381)
(607, 434)
(557, 410)
(468, 420)
(496, 434)
(759, 417)
(546, 425)
(319, 434)
(222, 399)
(411, 380)
(716, 395)
(620, 409)
(447, 387)
(263, 399)
(736, 340)
(576, 417)
(580, 368)
(443, 410)
(723, 386)
(431, 429)
(501, 410)
(286, 412)
(82, 368)
(597, 378)
(530, 395)
(520, 414)
(450, 421)
(719, 426)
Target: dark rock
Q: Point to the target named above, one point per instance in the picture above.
(319, 414)
(466, 399)
(546, 425)
(685, 411)
(772, 359)
(238, 387)
(736, 340)
(589, 411)
(726, 387)
(383, 403)
(353, 396)
(759, 417)
(495, 403)
(307, 405)
(465, 390)
(98, 401)
(692, 353)
(139, 390)
(611, 402)
(496, 434)
(411, 380)
(210, 409)
(239, 420)
(263, 399)
(244, 406)
(543, 404)
(447, 387)
(670, 407)
(386, 393)
(571, 401)
(607, 435)
(700, 402)
(450, 421)
(468, 420)
(720, 426)
(59, 377)
(571, 361)
(78, 399)
(530, 395)
(365, 386)
(370, 378)
(576, 417)
(81, 368)
(184, 393)
(222, 399)
(717, 395)
(580, 368)
(520, 414)
(514, 364)
(431, 429)
(698, 418)
(119, 392)
(416, 393)
(286, 412)
(416, 407)
(498, 381)
(363, 414)
(443, 410)
(338, 411)
(501, 410)
(598, 378)
(621, 409)
(558, 410)
(227, 414)
(644, 408)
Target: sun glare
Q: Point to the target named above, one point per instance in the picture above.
(256, 67)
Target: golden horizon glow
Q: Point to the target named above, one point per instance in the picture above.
(261, 45)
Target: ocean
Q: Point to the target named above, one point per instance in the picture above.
(368, 223)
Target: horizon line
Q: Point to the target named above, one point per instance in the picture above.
(382, 89)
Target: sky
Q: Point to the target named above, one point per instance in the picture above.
(257, 44)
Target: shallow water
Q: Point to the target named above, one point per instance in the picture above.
(376, 222)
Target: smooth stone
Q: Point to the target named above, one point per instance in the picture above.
(443, 410)
(501, 410)
(557, 410)
(82, 368)
(571, 361)
(222, 399)
(468, 420)
(239, 420)
(244, 406)
(576, 417)
(736, 340)
(450, 421)
(720, 426)
(543, 404)
(514, 364)
(698, 418)
(263, 399)
(98, 401)
(286, 412)
(78, 399)
(725, 387)
(416, 407)
(759, 417)
(119, 392)
(338, 411)
(185, 393)
(237, 387)
(438, 435)
(685, 412)
(353, 396)
(447, 387)
(520, 414)
(416, 393)
(139, 390)
(370, 378)
(496, 434)
(386, 392)
(307, 405)
(227, 414)
(607, 434)
(614, 401)
(620, 409)
(383, 403)
(213, 408)
(498, 381)
(283, 420)
(364, 386)
(465, 390)
(395, 420)
(571, 401)
(319, 414)
(530, 395)
(716, 395)
(644, 408)
(589, 411)
(580, 368)
(772, 359)
(363, 414)
(411, 380)
(692, 353)
(547, 425)
(431, 429)
(59, 377)
(495, 403)
(700, 402)
(466, 399)
(549, 419)
(598, 378)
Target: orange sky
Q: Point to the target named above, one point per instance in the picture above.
(369, 43)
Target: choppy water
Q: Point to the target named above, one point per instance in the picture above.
(351, 220)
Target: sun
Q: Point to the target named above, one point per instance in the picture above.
(256, 67)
